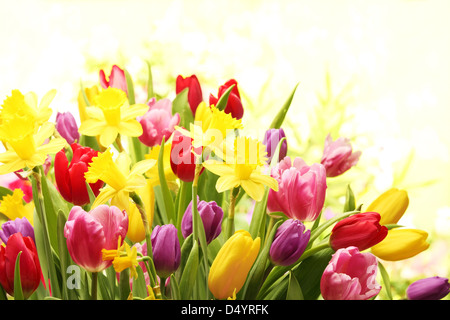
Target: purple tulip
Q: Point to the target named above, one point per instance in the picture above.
(433, 288)
(166, 249)
(158, 122)
(301, 189)
(289, 242)
(338, 156)
(21, 225)
(67, 127)
(272, 138)
(211, 215)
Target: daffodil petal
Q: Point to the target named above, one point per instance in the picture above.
(92, 127)
(53, 146)
(45, 131)
(218, 167)
(95, 113)
(142, 166)
(47, 99)
(253, 189)
(108, 135)
(12, 166)
(104, 196)
(130, 128)
(133, 111)
(265, 180)
(227, 182)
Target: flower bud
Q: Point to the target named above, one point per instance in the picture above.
(361, 230)
(350, 275)
(21, 225)
(338, 156)
(234, 103)
(391, 205)
(289, 242)
(433, 288)
(301, 189)
(195, 95)
(211, 215)
(232, 264)
(272, 138)
(182, 160)
(400, 244)
(67, 127)
(166, 250)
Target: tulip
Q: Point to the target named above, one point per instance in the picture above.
(11, 227)
(70, 177)
(87, 233)
(301, 189)
(433, 288)
(195, 95)
(14, 180)
(30, 268)
(361, 230)
(158, 122)
(338, 156)
(271, 140)
(117, 79)
(166, 249)
(391, 205)
(182, 160)
(211, 215)
(289, 242)
(350, 275)
(232, 264)
(67, 127)
(234, 103)
(400, 244)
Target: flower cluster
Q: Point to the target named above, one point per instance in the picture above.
(140, 202)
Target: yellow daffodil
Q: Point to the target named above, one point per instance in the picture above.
(25, 147)
(14, 207)
(19, 105)
(90, 94)
(128, 261)
(112, 115)
(119, 179)
(111, 254)
(243, 166)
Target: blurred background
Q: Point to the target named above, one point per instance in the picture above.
(377, 72)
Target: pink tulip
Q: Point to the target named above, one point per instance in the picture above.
(116, 79)
(301, 189)
(87, 233)
(350, 275)
(158, 122)
(338, 156)
(14, 180)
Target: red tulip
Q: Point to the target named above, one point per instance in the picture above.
(195, 95)
(182, 160)
(70, 177)
(30, 268)
(362, 230)
(234, 104)
(117, 79)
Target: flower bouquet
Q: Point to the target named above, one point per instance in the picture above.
(138, 202)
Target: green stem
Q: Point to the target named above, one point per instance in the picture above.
(140, 206)
(94, 285)
(230, 221)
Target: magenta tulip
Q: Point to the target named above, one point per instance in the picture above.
(432, 288)
(350, 275)
(87, 233)
(338, 156)
(166, 249)
(158, 122)
(67, 127)
(301, 189)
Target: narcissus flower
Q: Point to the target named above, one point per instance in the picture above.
(401, 243)
(30, 268)
(14, 180)
(232, 264)
(350, 275)
(195, 95)
(301, 191)
(432, 288)
(391, 205)
(112, 115)
(127, 260)
(88, 233)
(119, 178)
(338, 156)
(243, 165)
(12, 206)
(116, 79)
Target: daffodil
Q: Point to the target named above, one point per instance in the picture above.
(26, 148)
(119, 178)
(243, 165)
(20, 105)
(112, 115)
(13, 206)
(89, 93)
(128, 261)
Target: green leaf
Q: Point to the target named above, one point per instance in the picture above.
(174, 288)
(279, 118)
(223, 100)
(130, 88)
(167, 195)
(189, 274)
(259, 215)
(18, 293)
(186, 249)
(63, 252)
(150, 92)
(3, 293)
(350, 203)
(5, 191)
(124, 284)
(139, 286)
(386, 280)
(294, 291)
(180, 105)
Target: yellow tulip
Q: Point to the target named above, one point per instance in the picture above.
(391, 205)
(400, 244)
(232, 264)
